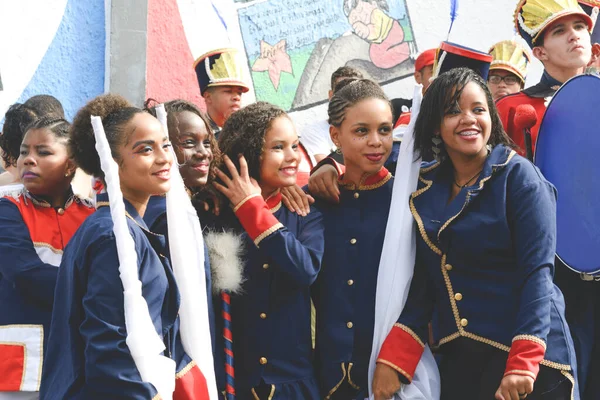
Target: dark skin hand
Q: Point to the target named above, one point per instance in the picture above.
(323, 183)
(296, 200)
(385, 382)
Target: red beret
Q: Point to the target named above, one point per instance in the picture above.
(425, 58)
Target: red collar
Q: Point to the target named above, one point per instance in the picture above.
(372, 181)
(274, 201)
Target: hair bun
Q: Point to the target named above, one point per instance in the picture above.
(83, 142)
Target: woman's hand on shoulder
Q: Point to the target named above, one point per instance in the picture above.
(240, 186)
(296, 200)
(514, 387)
(385, 382)
(323, 183)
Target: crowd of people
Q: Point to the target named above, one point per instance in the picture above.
(294, 227)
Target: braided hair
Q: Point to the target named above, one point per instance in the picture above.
(16, 119)
(244, 133)
(441, 96)
(59, 126)
(44, 104)
(350, 92)
(115, 112)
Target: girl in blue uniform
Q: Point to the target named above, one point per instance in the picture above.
(89, 354)
(271, 317)
(36, 225)
(484, 263)
(360, 116)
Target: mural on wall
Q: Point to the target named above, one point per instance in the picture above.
(63, 56)
(293, 46)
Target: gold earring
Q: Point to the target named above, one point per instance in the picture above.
(66, 175)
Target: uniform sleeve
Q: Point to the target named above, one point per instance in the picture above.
(301, 256)
(109, 368)
(404, 345)
(330, 160)
(531, 212)
(20, 263)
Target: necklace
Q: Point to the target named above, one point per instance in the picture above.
(467, 182)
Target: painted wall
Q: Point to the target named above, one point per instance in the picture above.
(291, 46)
(53, 47)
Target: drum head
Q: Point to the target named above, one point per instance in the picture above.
(568, 154)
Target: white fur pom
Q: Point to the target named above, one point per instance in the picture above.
(225, 251)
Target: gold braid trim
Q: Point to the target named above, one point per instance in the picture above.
(521, 372)
(411, 333)
(572, 380)
(451, 294)
(418, 219)
(266, 233)
(157, 397)
(185, 370)
(48, 246)
(449, 338)
(531, 338)
(355, 386)
(481, 183)
(272, 392)
(336, 387)
(241, 203)
(276, 208)
(395, 367)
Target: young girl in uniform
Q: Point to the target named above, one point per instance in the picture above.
(271, 317)
(89, 356)
(486, 219)
(360, 118)
(35, 226)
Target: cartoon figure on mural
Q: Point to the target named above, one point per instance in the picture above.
(370, 22)
(293, 46)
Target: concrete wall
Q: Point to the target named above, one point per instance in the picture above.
(291, 46)
(54, 47)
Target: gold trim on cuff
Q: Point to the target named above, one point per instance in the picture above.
(266, 233)
(520, 372)
(395, 367)
(185, 370)
(410, 332)
(530, 338)
(241, 203)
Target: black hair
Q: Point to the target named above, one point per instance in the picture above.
(44, 104)
(115, 112)
(350, 5)
(244, 133)
(348, 93)
(344, 72)
(178, 106)
(59, 126)
(16, 119)
(443, 95)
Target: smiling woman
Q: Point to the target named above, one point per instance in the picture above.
(90, 354)
(271, 315)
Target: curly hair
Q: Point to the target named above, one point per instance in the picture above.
(44, 104)
(175, 107)
(350, 5)
(16, 119)
(444, 94)
(115, 112)
(350, 92)
(244, 133)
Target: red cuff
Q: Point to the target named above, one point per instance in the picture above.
(190, 384)
(256, 218)
(340, 168)
(525, 356)
(402, 350)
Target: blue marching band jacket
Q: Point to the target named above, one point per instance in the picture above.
(33, 235)
(271, 315)
(494, 287)
(89, 357)
(344, 293)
